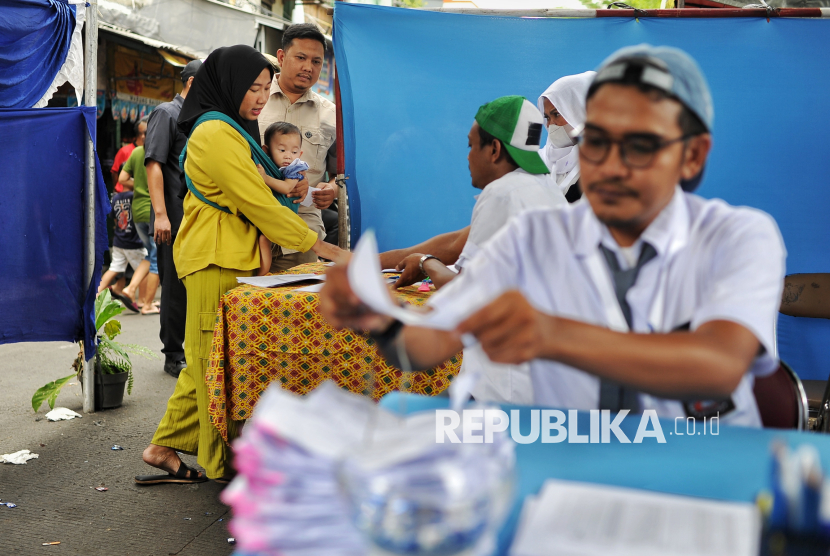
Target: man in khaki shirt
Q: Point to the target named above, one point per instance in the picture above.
(292, 100)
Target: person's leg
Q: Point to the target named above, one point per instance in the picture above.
(141, 271)
(173, 312)
(151, 284)
(180, 429)
(202, 302)
(106, 279)
(120, 283)
(331, 221)
(265, 255)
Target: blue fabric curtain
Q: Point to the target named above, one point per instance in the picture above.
(42, 208)
(411, 82)
(34, 39)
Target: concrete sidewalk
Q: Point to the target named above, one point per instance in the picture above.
(55, 494)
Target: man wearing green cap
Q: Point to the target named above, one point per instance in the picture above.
(505, 164)
(642, 296)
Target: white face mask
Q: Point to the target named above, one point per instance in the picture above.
(559, 136)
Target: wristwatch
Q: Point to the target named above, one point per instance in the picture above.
(424, 259)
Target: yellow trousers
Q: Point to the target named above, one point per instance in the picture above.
(186, 425)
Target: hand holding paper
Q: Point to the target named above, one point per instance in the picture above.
(309, 199)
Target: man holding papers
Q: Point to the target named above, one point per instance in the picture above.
(642, 296)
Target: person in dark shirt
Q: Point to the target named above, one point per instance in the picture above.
(165, 180)
(126, 249)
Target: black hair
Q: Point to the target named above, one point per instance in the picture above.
(689, 122)
(302, 31)
(143, 120)
(485, 138)
(281, 128)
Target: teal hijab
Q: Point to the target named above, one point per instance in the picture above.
(257, 154)
(217, 92)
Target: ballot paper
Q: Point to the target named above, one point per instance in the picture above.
(368, 284)
(279, 279)
(580, 519)
(309, 199)
(307, 465)
(314, 288)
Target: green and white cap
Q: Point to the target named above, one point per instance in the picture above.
(518, 124)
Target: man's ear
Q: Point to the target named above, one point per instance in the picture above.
(280, 57)
(496, 149)
(694, 155)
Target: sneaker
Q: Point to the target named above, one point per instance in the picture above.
(174, 368)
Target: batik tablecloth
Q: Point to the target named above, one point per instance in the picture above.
(266, 335)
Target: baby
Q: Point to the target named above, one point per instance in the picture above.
(283, 143)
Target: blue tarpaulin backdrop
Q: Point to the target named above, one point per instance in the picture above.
(34, 38)
(411, 82)
(42, 169)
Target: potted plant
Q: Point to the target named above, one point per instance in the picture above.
(113, 368)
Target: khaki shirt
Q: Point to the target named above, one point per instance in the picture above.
(316, 118)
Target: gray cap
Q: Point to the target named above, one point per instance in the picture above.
(665, 68)
(190, 69)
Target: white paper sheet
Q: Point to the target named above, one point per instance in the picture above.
(310, 289)
(580, 519)
(18, 458)
(368, 284)
(279, 280)
(309, 200)
(61, 414)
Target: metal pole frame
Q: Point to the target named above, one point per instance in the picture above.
(90, 93)
(344, 222)
(673, 12)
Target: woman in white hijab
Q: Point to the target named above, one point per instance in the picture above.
(563, 104)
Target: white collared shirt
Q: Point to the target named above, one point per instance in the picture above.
(501, 200)
(714, 262)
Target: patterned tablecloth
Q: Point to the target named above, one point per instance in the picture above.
(275, 334)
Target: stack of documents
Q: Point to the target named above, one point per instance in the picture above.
(332, 473)
(578, 519)
(279, 279)
(286, 499)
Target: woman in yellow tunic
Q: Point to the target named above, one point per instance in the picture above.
(227, 203)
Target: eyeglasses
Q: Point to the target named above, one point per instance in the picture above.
(637, 150)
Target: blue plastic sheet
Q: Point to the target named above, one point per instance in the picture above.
(411, 82)
(732, 465)
(34, 38)
(42, 218)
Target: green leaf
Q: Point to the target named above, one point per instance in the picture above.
(112, 329)
(49, 392)
(106, 308)
(140, 350)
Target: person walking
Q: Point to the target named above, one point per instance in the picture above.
(162, 146)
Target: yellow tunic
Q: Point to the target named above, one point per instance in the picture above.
(220, 166)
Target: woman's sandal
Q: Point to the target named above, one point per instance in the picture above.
(184, 475)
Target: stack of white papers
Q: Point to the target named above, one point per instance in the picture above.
(308, 464)
(579, 519)
(279, 279)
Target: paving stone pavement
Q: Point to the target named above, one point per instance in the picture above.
(55, 494)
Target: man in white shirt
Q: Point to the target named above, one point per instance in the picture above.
(641, 296)
(291, 100)
(505, 164)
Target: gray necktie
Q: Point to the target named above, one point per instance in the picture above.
(613, 395)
